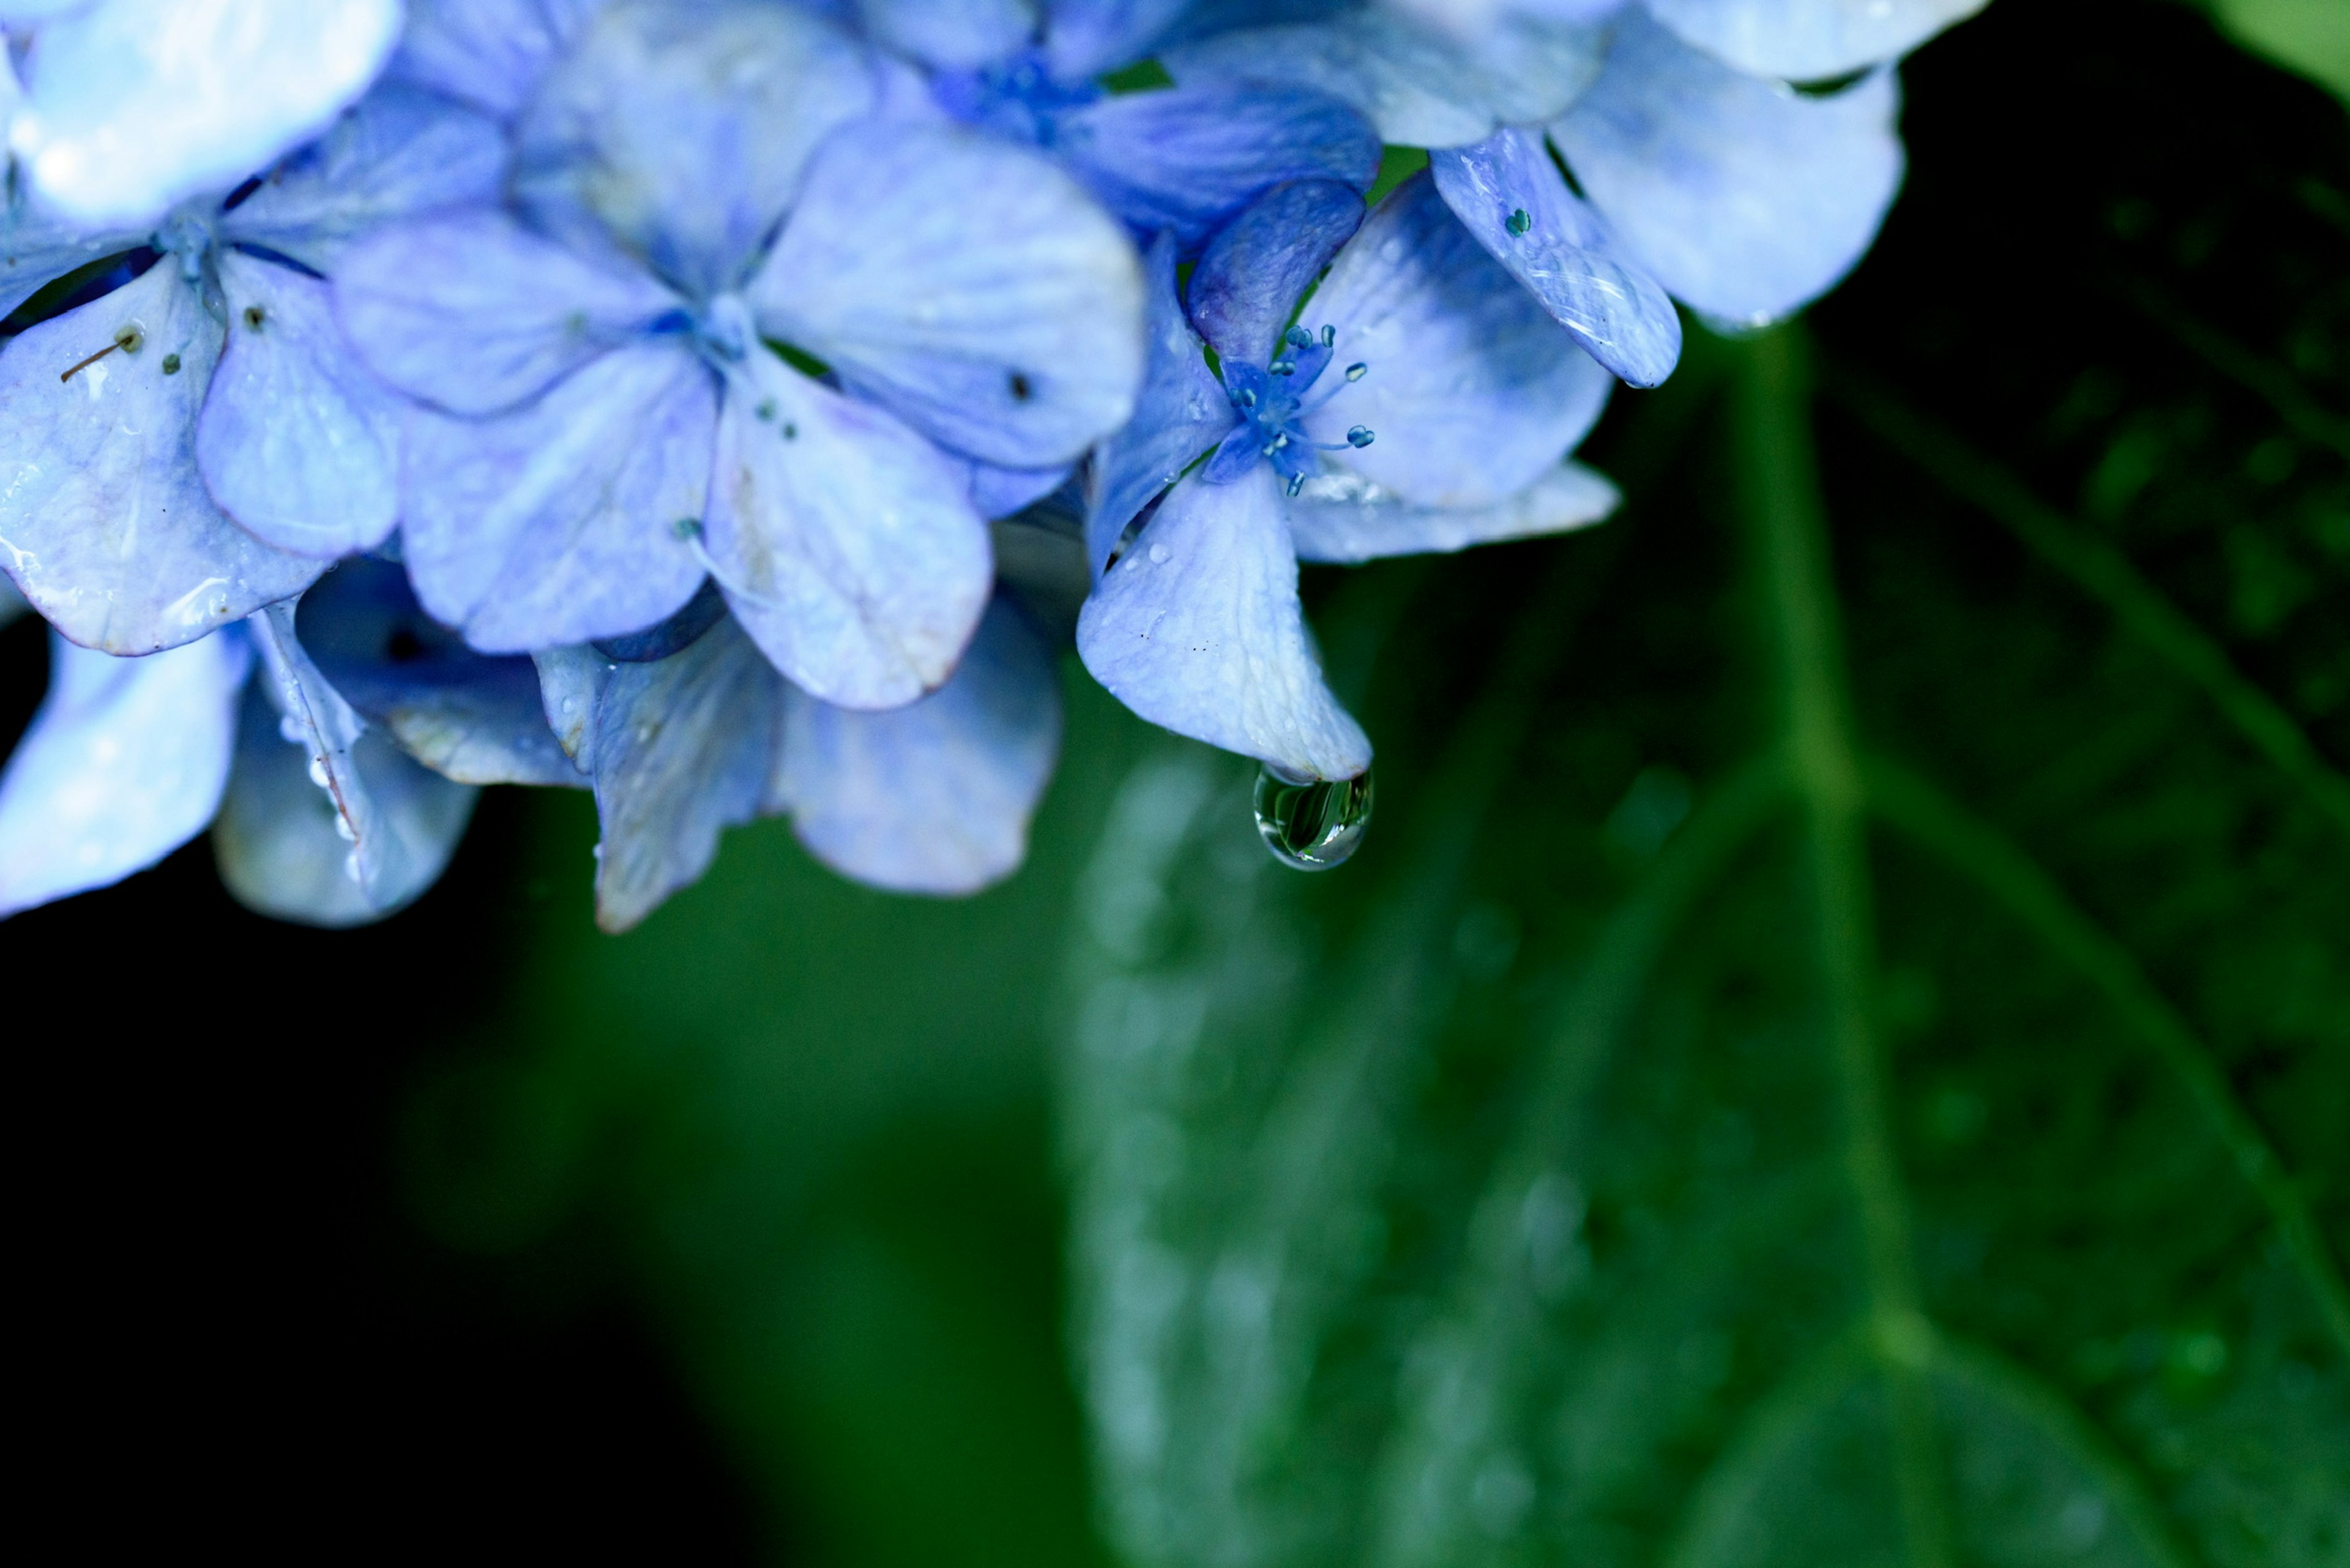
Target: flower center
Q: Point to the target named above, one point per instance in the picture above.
(189, 234)
(724, 330)
(1272, 401)
(1017, 98)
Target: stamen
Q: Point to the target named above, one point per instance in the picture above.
(1296, 483)
(1520, 221)
(1298, 337)
(1329, 338)
(131, 339)
(1360, 436)
(689, 529)
(1357, 372)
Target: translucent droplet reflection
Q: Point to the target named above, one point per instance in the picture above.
(1312, 825)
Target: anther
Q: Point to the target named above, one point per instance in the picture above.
(254, 316)
(1357, 372)
(1329, 338)
(1296, 483)
(1520, 221)
(171, 364)
(1360, 436)
(1298, 337)
(130, 340)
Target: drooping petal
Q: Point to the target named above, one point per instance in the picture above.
(1182, 411)
(1420, 85)
(1743, 197)
(1508, 193)
(1344, 517)
(488, 53)
(1187, 160)
(1471, 390)
(682, 751)
(950, 34)
(474, 314)
(679, 133)
(1000, 492)
(967, 285)
(133, 104)
(325, 822)
(845, 542)
(1197, 629)
(467, 717)
(684, 626)
(398, 154)
(296, 442)
(104, 521)
(1809, 40)
(558, 523)
(571, 682)
(936, 797)
(1246, 286)
(124, 762)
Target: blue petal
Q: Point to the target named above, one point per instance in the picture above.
(1344, 517)
(558, 523)
(1565, 254)
(124, 762)
(571, 682)
(133, 104)
(1246, 286)
(104, 521)
(933, 798)
(474, 314)
(1473, 390)
(296, 441)
(684, 750)
(36, 248)
(1744, 198)
(1188, 159)
(846, 544)
(488, 53)
(1419, 85)
(1197, 629)
(951, 34)
(472, 719)
(1183, 409)
(326, 823)
(399, 153)
(684, 627)
(1000, 492)
(680, 133)
(1085, 38)
(1809, 40)
(968, 284)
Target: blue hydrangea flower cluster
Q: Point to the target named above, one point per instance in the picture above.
(727, 406)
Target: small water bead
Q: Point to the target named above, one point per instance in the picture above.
(318, 773)
(1159, 555)
(1309, 824)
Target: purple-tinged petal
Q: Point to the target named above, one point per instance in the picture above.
(571, 682)
(1471, 390)
(1197, 629)
(325, 822)
(1246, 286)
(1809, 40)
(558, 522)
(683, 750)
(1188, 159)
(488, 53)
(1182, 411)
(936, 797)
(124, 762)
(1085, 38)
(466, 716)
(679, 133)
(968, 284)
(133, 104)
(1419, 85)
(1746, 199)
(1345, 518)
(1506, 191)
(1000, 492)
(846, 544)
(296, 442)
(952, 35)
(104, 521)
(474, 314)
(398, 154)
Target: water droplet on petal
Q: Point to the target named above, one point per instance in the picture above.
(290, 729)
(351, 867)
(1159, 556)
(344, 830)
(1309, 824)
(319, 772)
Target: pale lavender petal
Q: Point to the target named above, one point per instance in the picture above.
(1000, 492)
(1809, 40)
(124, 762)
(1197, 629)
(1247, 284)
(1182, 412)
(558, 522)
(682, 751)
(1343, 517)
(936, 797)
(104, 521)
(1471, 390)
(1508, 193)
(951, 34)
(399, 153)
(968, 284)
(37, 247)
(679, 133)
(845, 542)
(474, 314)
(571, 682)
(296, 442)
(488, 53)
(1745, 198)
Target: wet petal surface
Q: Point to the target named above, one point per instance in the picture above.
(1345, 518)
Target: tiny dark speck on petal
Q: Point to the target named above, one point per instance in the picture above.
(791, 432)
(254, 316)
(171, 364)
(1021, 391)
